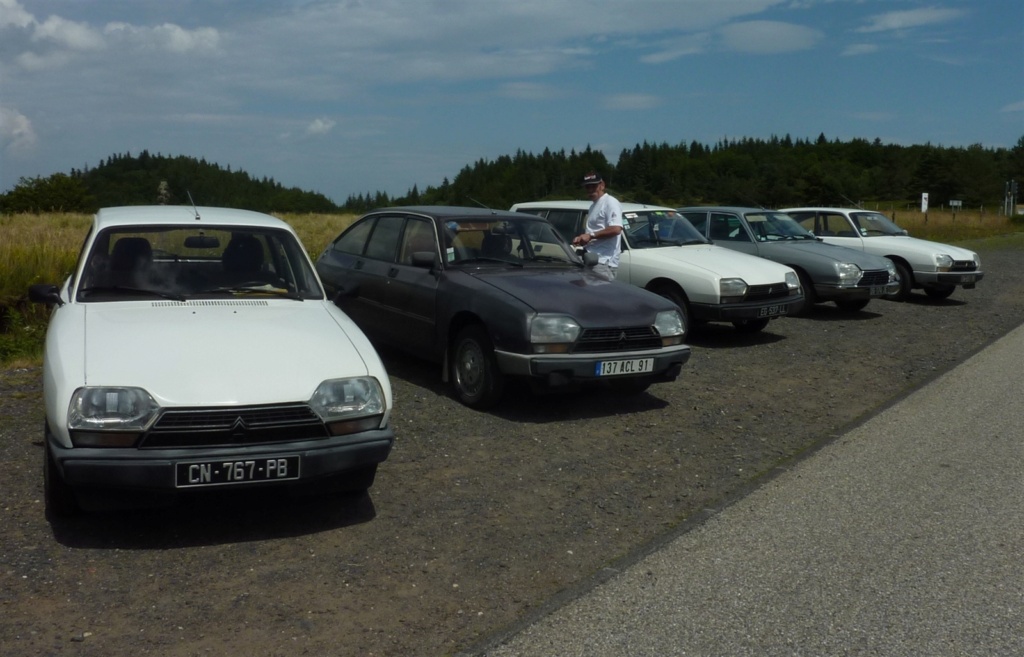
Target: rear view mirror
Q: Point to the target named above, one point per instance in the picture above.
(201, 242)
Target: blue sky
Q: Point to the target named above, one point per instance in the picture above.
(351, 96)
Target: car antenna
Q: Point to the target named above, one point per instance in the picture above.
(486, 207)
(194, 208)
(857, 205)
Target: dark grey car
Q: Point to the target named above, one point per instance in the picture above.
(827, 272)
(495, 295)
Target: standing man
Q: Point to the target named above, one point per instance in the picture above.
(603, 234)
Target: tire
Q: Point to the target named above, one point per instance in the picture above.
(906, 283)
(852, 305)
(676, 296)
(474, 370)
(358, 480)
(59, 499)
(939, 292)
(751, 325)
(810, 296)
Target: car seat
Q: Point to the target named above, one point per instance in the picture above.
(131, 254)
(243, 257)
(495, 245)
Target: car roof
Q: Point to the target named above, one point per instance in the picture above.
(585, 205)
(738, 209)
(169, 215)
(452, 212)
(825, 208)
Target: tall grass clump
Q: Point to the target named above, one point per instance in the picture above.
(317, 230)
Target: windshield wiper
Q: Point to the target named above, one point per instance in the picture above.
(255, 288)
(132, 290)
(487, 259)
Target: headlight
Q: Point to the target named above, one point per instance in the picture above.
(669, 324)
(349, 405)
(848, 273)
(553, 333)
(109, 417)
(792, 280)
(891, 268)
(732, 289)
(943, 262)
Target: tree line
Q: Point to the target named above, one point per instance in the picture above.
(763, 172)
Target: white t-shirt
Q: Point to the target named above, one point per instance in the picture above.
(605, 212)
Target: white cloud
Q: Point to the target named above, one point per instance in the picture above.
(529, 91)
(1013, 107)
(691, 44)
(631, 102)
(13, 14)
(902, 20)
(767, 37)
(319, 127)
(16, 133)
(168, 37)
(856, 49)
(69, 34)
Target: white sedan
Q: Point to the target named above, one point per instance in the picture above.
(935, 267)
(662, 252)
(194, 349)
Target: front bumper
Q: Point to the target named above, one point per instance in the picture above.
(967, 279)
(747, 310)
(558, 370)
(153, 470)
(834, 292)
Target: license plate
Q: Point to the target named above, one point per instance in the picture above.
(878, 290)
(771, 311)
(617, 367)
(967, 278)
(222, 473)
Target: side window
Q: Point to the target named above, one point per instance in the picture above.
(837, 224)
(566, 222)
(418, 237)
(699, 221)
(353, 241)
(806, 219)
(383, 244)
(727, 228)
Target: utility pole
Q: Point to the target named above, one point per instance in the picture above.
(1010, 203)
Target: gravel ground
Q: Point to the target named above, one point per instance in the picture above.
(477, 520)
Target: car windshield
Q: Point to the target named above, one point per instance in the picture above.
(521, 242)
(659, 228)
(773, 226)
(875, 224)
(179, 262)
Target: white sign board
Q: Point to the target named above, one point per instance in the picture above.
(924, 202)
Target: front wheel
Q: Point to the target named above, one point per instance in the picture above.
(906, 283)
(939, 292)
(751, 325)
(810, 295)
(474, 371)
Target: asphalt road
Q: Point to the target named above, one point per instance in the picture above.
(904, 536)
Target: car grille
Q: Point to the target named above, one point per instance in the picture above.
(234, 426)
(964, 265)
(873, 278)
(636, 338)
(765, 292)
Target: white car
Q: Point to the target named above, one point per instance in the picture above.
(937, 268)
(664, 253)
(194, 349)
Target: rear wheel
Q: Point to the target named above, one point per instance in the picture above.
(474, 370)
(906, 283)
(939, 291)
(751, 325)
(58, 497)
(852, 305)
(676, 296)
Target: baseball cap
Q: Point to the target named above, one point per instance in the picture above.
(592, 178)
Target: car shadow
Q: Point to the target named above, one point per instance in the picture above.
(827, 312)
(724, 336)
(228, 517)
(922, 299)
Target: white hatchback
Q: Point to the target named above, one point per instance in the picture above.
(194, 349)
(935, 267)
(662, 252)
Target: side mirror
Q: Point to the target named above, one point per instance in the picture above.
(45, 293)
(347, 290)
(590, 259)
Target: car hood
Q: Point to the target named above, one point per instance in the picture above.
(900, 244)
(716, 260)
(811, 250)
(589, 298)
(218, 352)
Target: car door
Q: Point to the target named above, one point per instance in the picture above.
(411, 301)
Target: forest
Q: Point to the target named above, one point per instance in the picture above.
(770, 172)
